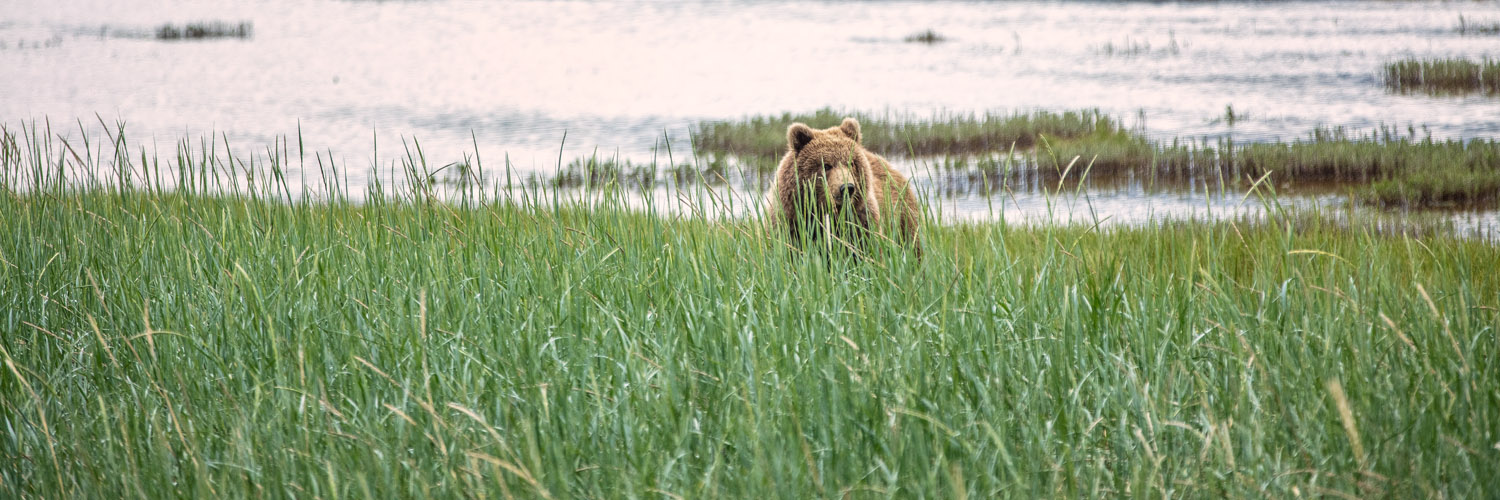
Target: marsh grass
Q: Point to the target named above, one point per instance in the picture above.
(1444, 76)
(1134, 47)
(1386, 167)
(928, 37)
(1439, 189)
(594, 171)
(173, 328)
(764, 137)
(1469, 27)
(204, 30)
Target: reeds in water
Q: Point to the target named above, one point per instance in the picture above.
(1444, 76)
(204, 30)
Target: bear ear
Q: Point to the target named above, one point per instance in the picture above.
(798, 135)
(850, 127)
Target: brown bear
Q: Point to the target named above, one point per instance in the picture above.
(828, 183)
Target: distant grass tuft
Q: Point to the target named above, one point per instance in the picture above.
(928, 37)
(205, 30)
(1444, 76)
(1139, 47)
(1468, 27)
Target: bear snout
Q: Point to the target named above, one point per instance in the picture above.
(848, 191)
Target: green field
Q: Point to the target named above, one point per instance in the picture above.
(204, 342)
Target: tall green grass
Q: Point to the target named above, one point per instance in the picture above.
(181, 338)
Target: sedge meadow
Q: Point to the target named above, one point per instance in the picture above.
(467, 249)
(212, 341)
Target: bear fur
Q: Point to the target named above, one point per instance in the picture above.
(828, 182)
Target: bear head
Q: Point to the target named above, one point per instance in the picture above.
(832, 171)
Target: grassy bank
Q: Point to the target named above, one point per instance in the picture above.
(764, 137)
(1443, 76)
(1386, 168)
(206, 343)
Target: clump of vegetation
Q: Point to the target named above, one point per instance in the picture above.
(1436, 173)
(205, 30)
(1483, 28)
(593, 171)
(1444, 76)
(172, 340)
(765, 136)
(1388, 169)
(22, 44)
(928, 37)
(1137, 47)
(1445, 188)
(1231, 117)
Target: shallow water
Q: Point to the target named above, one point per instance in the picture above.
(626, 77)
(614, 75)
(1025, 198)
